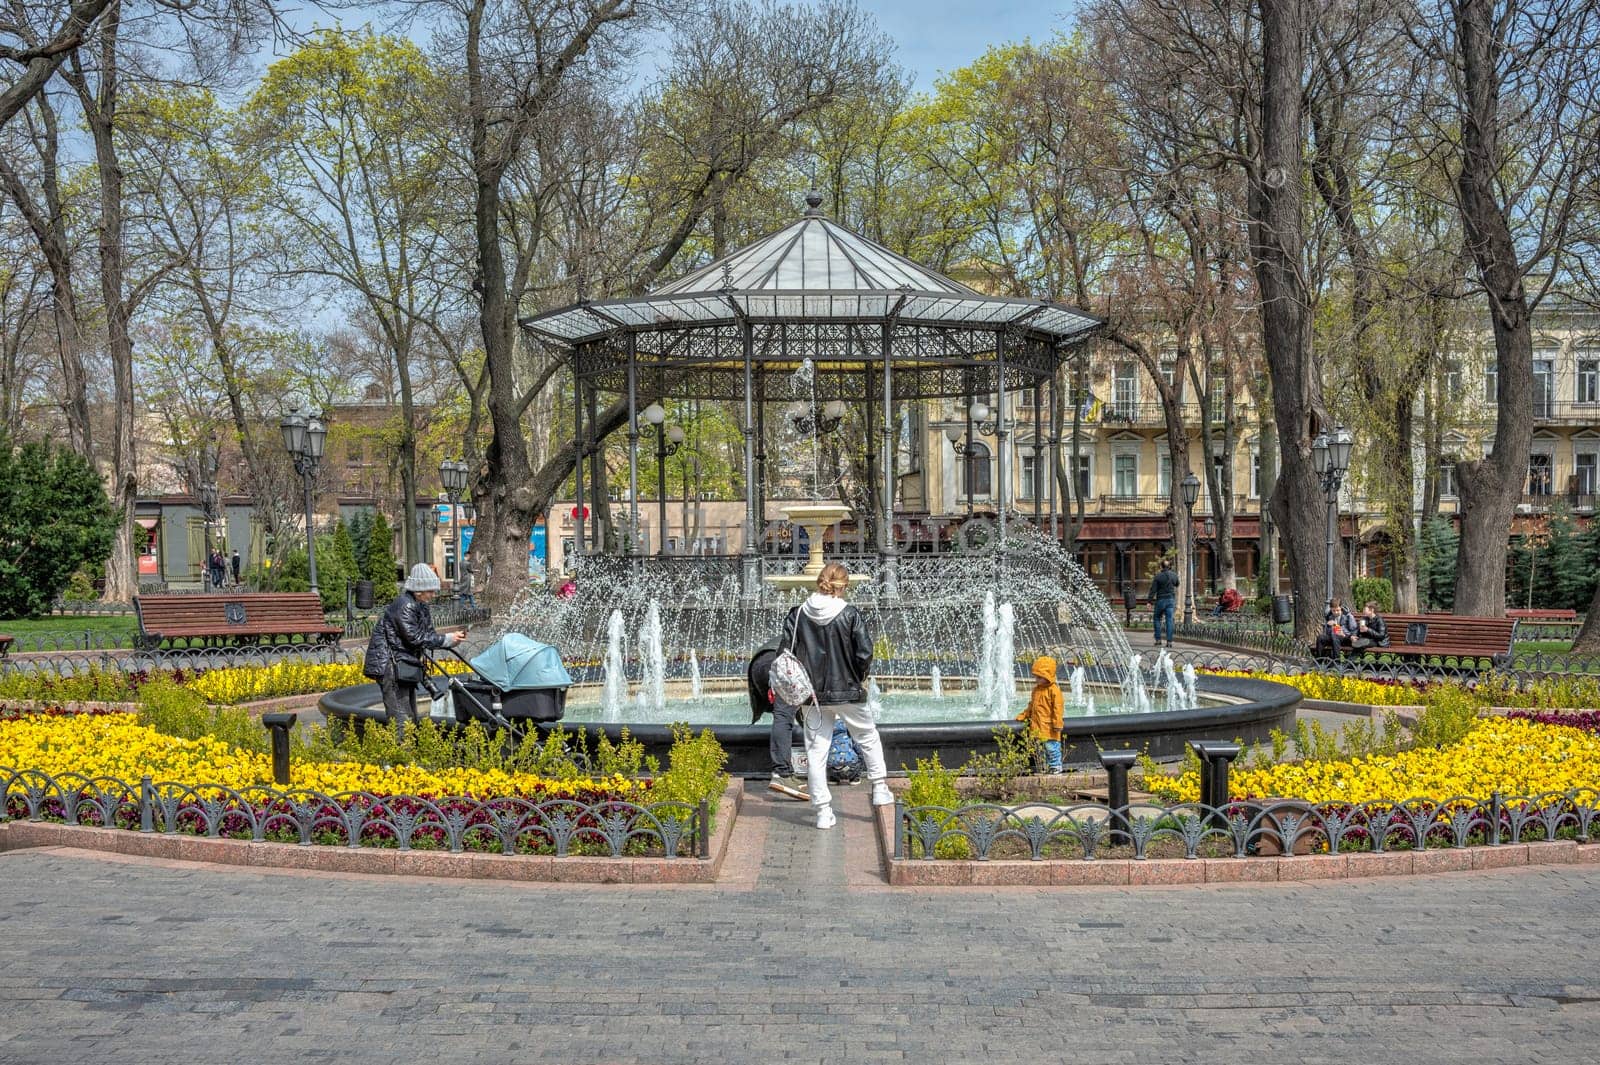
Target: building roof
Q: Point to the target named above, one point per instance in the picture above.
(813, 270)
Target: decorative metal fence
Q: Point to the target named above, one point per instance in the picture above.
(1242, 829)
(611, 828)
(188, 659)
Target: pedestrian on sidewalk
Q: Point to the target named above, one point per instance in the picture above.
(830, 638)
(781, 742)
(1044, 710)
(1164, 597)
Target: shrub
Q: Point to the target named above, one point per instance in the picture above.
(1447, 718)
(694, 769)
(1017, 753)
(174, 710)
(1378, 589)
(931, 784)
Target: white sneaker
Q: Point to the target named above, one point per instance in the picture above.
(881, 795)
(825, 818)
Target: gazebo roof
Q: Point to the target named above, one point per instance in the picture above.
(815, 271)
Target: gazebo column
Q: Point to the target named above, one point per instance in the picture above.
(633, 449)
(1002, 467)
(1053, 452)
(597, 535)
(578, 455)
(1036, 489)
(868, 435)
(887, 565)
(751, 569)
(761, 446)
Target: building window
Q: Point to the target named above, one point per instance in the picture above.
(1083, 477)
(977, 476)
(1452, 380)
(1540, 474)
(1164, 476)
(1031, 466)
(1125, 390)
(1447, 480)
(1125, 476)
(1216, 405)
(1255, 475)
(1491, 384)
(1589, 380)
(1586, 473)
(1169, 373)
(1544, 387)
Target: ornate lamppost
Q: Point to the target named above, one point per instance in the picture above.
(304, 438)
(1330, 457)
(453, 477)
(1191, 495)
(669, 438)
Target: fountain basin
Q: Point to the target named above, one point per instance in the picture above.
(1240, 708)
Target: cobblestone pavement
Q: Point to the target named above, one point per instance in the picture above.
(800, 955)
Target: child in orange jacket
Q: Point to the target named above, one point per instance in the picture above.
(1043, 714)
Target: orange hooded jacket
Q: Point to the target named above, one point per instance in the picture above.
(1043, 714)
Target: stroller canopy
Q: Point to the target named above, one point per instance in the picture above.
(516, 662)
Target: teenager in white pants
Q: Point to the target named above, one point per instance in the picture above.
(830, 638)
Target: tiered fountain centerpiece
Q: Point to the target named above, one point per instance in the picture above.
(816, 519)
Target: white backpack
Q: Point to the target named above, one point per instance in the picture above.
(789, 677)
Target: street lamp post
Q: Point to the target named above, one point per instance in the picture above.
(669, 438)
(1330, 457)
(453, 476)
(1191, 495)
(304, 438)
(208, 506)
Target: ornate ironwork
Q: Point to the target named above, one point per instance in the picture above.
(1242, 828)
(612, 828)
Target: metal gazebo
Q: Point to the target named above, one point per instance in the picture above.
(881, 328)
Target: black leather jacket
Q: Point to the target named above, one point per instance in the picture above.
(403, 632)
(837, 656)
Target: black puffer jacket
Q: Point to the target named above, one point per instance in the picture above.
(758, 679)
(837, 656)
(403, 632)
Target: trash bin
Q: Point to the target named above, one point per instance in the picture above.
(363, 595)
(1282, 610)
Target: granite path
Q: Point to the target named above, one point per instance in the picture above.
(801, 954)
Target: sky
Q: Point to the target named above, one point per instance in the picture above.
(931, 36)
(935, 36)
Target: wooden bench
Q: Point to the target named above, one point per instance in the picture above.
(1531, 622)
(1467, 640)
(231, 619)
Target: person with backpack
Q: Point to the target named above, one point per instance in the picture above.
(828, 639)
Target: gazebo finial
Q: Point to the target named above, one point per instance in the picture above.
(813, 203)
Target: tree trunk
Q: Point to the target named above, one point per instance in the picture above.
(1276, 226)
(1587, 641)
(100, 113)
(1266, 481)
(1490, 488)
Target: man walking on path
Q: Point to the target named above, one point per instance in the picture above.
(1164, 594)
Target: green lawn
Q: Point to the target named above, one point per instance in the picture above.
(1547, 647)
(118, 624)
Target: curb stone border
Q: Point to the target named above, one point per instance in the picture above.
(22, 834)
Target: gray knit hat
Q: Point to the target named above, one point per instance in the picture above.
(422, 579)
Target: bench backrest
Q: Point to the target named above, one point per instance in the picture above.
(1455, 631)
(157, 612)
(1542, 615)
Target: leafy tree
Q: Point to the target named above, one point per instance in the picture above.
(360, 532)
(380, 559)
(54, 518)
(342, 552)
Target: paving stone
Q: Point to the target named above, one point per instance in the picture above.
(801, 954)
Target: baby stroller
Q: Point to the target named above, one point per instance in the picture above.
(516, 681)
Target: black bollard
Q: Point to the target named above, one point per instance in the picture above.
(279, 725)
(1221, 757)
(1200, 747)
(1116, 764)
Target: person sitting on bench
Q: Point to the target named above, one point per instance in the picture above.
(1371, 631)
(1228, 602)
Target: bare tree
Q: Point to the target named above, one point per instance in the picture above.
(1517, 130)
(39, 38)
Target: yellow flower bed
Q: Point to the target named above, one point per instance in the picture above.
(1334, 688)
(117, 745)
(1508, 756)
(246, 684)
